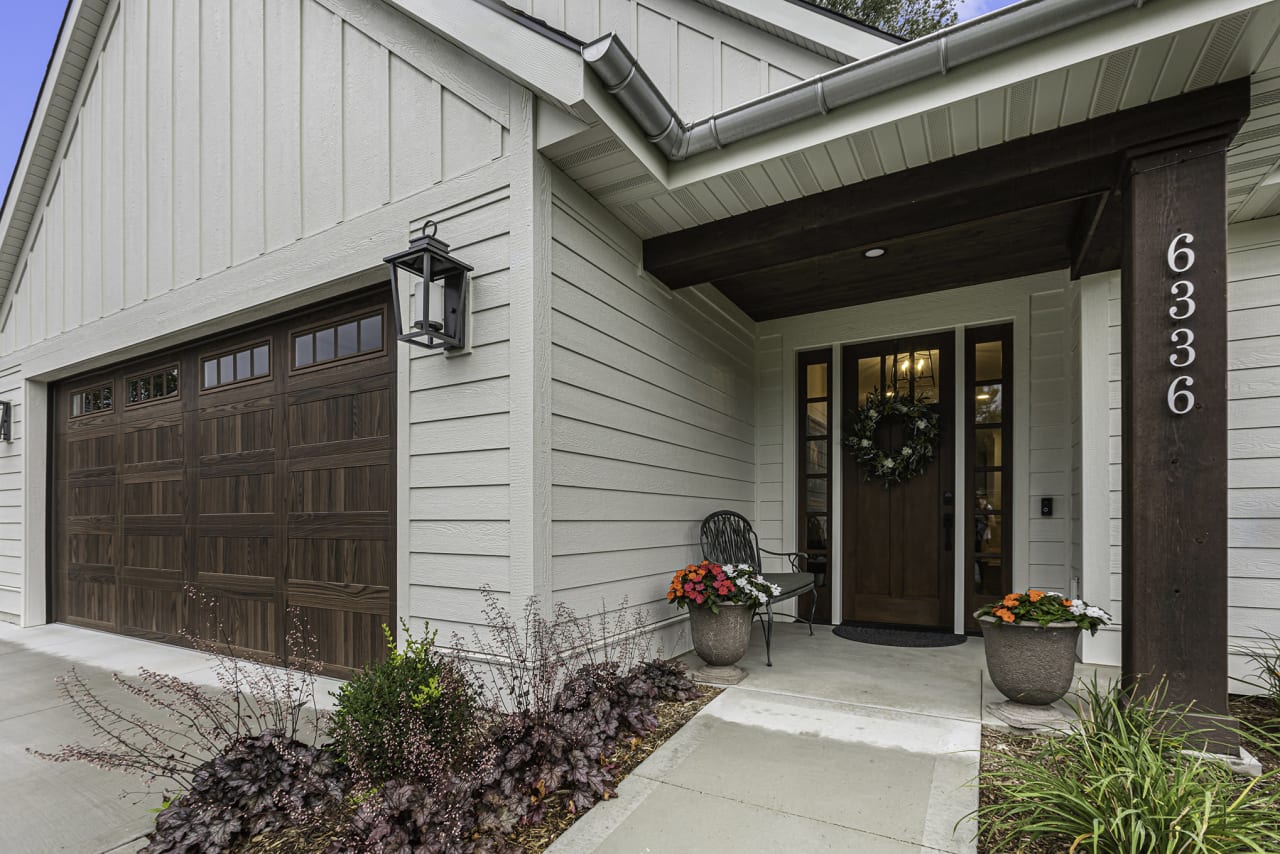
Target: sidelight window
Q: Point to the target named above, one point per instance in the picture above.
(813, 393)
(990, 420)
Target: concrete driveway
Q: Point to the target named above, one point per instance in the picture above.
(47, 806)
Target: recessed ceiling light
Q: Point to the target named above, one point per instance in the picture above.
(874, 253)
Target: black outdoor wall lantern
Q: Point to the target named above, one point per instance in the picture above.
(6, 421)
(434, 284)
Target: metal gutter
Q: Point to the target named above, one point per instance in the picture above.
(913, 61)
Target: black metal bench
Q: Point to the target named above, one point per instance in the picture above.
(727, 537)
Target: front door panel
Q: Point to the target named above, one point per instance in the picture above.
(899, 540)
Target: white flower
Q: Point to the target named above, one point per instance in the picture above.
(1096, 613)
(921, 424)
(906, 452)
(762, 598)
(866, 443)
(888, 464)
(1079, 607)
(1051, 593)
(775, 589)
(744, 567)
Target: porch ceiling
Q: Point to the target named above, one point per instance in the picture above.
(1042, 202)
(1192, 48)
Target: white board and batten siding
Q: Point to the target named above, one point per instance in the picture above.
(1041, 452)
(652, 419)
(700, 59)
(225, 155)
(1253, 438)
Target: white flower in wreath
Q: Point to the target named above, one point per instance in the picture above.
(888, 464)
(866, 443)
(921, 424)
(906, 452)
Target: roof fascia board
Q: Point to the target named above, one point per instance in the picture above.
(35, 130)
(552, 70)
(809, 22)
(605, 108)
(1090, 40)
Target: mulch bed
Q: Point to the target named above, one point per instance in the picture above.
(536, 838)
(1260, 712)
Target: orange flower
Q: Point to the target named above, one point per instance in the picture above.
(1004, 614)
(1012, 600)
(1036, 595)
(1067, 602)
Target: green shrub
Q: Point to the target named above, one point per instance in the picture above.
(412, 717)
(1120, 783)
(1265, 656)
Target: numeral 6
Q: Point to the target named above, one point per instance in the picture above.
(1180, 397)
(1181, 258)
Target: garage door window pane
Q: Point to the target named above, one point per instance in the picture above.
(303, 350)
(244, 364)
(210, 373)
(324, 345)
(371, 334)
(347, 344)
(261, 361)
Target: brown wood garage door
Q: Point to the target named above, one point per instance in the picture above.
(257, 468)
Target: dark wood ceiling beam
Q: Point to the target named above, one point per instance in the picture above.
(1035, 170)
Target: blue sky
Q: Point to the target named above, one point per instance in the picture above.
(27, 38)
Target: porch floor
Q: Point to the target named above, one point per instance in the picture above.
(840, 746)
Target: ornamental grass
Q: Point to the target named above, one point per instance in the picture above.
(1120, 783)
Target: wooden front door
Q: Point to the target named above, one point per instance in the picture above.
(257, 468)
(899, 541)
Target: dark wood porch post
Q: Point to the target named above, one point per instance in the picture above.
(1174, 334)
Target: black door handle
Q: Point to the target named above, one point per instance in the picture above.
(948, 527)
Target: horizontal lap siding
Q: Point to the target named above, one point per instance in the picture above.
(652, 423)
(459, 439)
(769, 448)
(1253, 444)
(11, 503)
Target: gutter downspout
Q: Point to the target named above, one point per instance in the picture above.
(916, 60)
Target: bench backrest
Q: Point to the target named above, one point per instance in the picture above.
(727, 537)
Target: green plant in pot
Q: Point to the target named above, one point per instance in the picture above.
(721, 600)
(1030, 640)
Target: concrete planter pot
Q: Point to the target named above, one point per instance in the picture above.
(1030, 663)
(721, 639)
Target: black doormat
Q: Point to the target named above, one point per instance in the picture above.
(882, 636)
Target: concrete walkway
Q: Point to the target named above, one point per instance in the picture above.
(839, 747)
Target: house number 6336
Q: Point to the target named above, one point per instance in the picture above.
(1181, 258)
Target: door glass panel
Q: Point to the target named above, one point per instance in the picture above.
(987, 446)
(988, 576)
(818, 538)
(988, 404)
(869, 379)
(816, 380)
(816, 494)
(988, 361)
(816, 422)
(988, 491)
(816, 456)
(924, 367)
